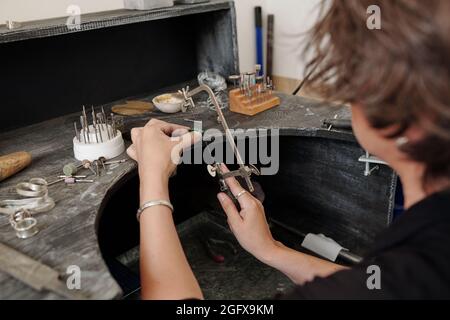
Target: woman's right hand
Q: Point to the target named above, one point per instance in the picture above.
(249, 225)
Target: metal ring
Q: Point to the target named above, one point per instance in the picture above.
(240, 194)
(39, 182)
(37, 187)
(24, 224)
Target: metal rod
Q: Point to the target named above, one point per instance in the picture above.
(99, 117)
(106, 123)
(223, 121)
(113, 123)
(99, 131)
(55, 182)
(94, 118)
(77, 134)
(115, 161)
(86, 125)
(94, 125)
(83, 128)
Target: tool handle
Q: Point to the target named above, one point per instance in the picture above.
(13, 163)
(338, 123)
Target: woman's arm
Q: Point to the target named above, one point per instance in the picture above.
(252, 231)
(298, 266)
(165, 271)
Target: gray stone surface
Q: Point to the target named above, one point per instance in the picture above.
(68, 232)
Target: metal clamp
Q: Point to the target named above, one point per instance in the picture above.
(368, 160)
(216, 171)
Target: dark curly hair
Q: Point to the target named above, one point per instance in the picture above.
(400, 74)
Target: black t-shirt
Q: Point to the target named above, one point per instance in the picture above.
(413, 257)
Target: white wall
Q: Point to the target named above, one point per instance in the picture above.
(292, 17)
(245, 11)
(26, 10)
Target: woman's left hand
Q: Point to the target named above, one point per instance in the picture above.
(250, 224)
(157, 148)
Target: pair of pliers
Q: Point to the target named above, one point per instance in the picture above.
(212, 245)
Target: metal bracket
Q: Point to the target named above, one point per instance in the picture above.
(368, 160)
(244, 171)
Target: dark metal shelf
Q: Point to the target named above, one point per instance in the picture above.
(99, 20)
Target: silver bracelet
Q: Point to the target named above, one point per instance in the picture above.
(150, 204)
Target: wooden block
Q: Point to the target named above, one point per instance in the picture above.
(132, 108)
(241, 104)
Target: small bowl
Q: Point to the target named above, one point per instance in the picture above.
(169, 103)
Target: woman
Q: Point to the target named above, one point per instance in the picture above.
(397, 81)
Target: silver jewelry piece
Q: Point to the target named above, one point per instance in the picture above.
(402, 141)
(150, 204)
(24, 224)
(37, 200)
(240, 194)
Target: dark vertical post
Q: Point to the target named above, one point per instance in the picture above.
(270, 40)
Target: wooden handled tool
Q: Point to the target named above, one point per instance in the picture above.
(13, 163)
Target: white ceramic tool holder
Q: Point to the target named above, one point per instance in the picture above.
(88, 148)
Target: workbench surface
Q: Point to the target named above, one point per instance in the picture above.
(68, 233)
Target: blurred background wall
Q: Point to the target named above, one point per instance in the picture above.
(292, 19)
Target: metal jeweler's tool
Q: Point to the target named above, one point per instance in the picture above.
(98, 137)
(76, 177)
(88, 165)
(115, 161)
(234, 79)
(73, 180)
(71, 169)
(103, 162)
(244, 171)
(34, 274)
